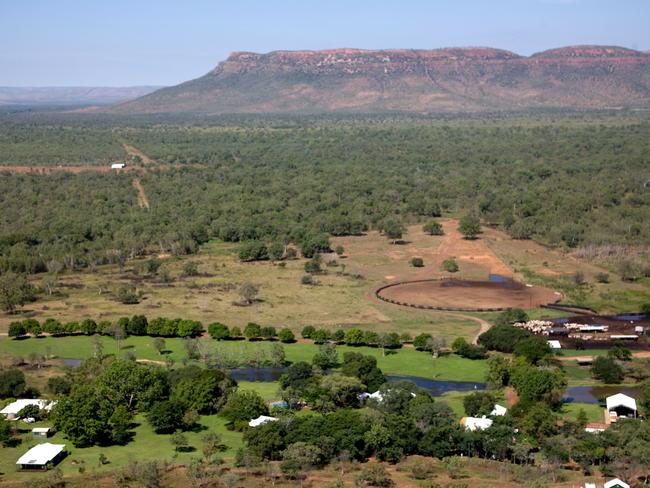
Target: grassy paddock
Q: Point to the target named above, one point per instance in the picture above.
(406, 361)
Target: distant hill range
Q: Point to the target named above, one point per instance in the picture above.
(439, 80)
(55, 95)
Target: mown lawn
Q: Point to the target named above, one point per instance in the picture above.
(405, 361)
(570, 411)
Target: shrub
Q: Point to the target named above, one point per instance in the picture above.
(286, 335)
(503, 338)
(252, 331)
(511, 316)
(307, 331)
(243, 405)
(606, 370)
(450, 265)
(307, 279)
(253, 251)
(127, 295)
(417, 262)
(16, 329)
(602, 278)
(421, 341)
(218, 331)
(12, 383)
(469, 351)
(534, 349)
(433, 228)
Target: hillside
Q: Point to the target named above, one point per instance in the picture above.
(71, 95)
(440, 80)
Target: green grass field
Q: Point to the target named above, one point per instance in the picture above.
(405, 361)
(570, 411)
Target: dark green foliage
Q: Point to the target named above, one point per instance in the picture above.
(253, 251)
(15, 291)
(503, 338)
(535, 384)
(606, 370)
(252, 331)
(16, 329)
(242, 406)
(307, 331)
(12, 383)
(464, 349)
(218, 331)
(533, 349)
(327, 357)
(59, 385)
(619, 352)
(127, 295)
(478, 404)
(365, 368)
(286, 335)
(511, 316)
(421, 342)
(198, 389)
(137, 326)
(417, 262)
(166, 416)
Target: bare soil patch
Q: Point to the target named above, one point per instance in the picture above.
(143, 201)
(134, 151)
(451, 294)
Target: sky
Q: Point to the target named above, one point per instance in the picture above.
(164, 42)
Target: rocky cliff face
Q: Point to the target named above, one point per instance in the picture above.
(440, 80)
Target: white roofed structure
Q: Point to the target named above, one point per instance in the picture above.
(476, 423)
(261, 420)
(11, 411)
(39, 456)
(616, 483)
(118, 165)
(555, 344)
(498, 411)
(621, 405)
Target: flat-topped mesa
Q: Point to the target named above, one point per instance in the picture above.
(590, 52)
(355, 60)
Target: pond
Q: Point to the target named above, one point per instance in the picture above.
(73, 363)
(596, 394)
(497, 278)
(435, 387)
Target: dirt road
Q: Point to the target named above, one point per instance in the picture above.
(143, 201)
(134, 151)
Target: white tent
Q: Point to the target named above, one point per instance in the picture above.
(476, 423)
(616, 483)
(11, 410)
(620, 401)
(498, 411)
(40, 455)
(261, 420)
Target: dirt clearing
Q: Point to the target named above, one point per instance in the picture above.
(143, 202)
(134, 151)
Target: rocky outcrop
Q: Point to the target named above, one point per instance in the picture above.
(439, 80)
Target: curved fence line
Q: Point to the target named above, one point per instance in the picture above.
(433, 307)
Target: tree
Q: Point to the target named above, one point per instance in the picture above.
(191, 269)
(339, 250)
(12, 383)
(498, 373)
(166, 416)
(340, 391)
(15, 291)
(393, 230)
(242, 406)
(252, 331)
(16, 330)
(299, 457)
(533, 349)
(131, 384)
(469, 226)
(59, 385)
(210, 444)
(218, 331)
(365, 368)
(644, 399)
(606, 370)
(179, 441)
(354, 337)
(313, 266)
(420, 342)
(278, 356)
(286, 335)
(88, 326)
(503, 338)
(6, 432)
(619, 352)
(320, 336)
(417, 262)
(327, 357)
(248, 292)
(253, 251)
(464, 349)
(450, 265)
(307, 331)
(534, 384)
(433, 228)
(478, 404)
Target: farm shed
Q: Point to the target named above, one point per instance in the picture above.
(38, 457)
(498, 411)
(40, 432)
(554, 344)
(118, 166)
(11, 411)
(621, 405)
(616, 483)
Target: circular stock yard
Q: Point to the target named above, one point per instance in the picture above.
(467, 295)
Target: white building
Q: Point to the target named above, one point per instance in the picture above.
(498, 411)
(118, 166)
(39, 456)
(476, 423)
(11, 411)
(616, 483)
(621, 405)
(261, 420)
(555, 344)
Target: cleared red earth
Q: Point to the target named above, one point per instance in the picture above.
(450, 294)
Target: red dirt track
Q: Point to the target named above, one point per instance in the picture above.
(466, 295)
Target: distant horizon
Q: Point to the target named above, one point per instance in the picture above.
(76, 43)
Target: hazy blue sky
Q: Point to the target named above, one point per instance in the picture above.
(147, 42)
